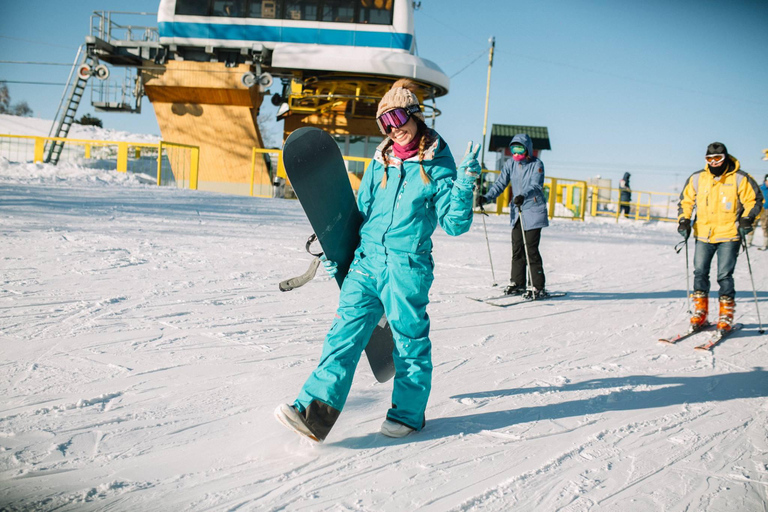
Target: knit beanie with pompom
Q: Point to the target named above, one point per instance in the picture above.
(401, 95)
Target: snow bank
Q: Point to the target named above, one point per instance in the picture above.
(15, 125)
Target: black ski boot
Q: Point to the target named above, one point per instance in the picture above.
(535, 294)
(514, 289)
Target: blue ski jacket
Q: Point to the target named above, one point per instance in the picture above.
(764, 190)
(527, 179)
(403, 215)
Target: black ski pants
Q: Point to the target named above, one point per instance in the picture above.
(532, 238)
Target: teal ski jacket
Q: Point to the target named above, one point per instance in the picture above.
(403, 215)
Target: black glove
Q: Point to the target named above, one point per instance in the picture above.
(746, 225)
(481, 200)
(684, 228)
(518, 200)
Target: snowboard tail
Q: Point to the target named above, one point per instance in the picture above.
(317, 173)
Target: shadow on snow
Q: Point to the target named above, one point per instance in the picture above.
(667, 391)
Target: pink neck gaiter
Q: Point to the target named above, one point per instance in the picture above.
(409, 150)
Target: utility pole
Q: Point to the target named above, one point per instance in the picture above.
(492, 40)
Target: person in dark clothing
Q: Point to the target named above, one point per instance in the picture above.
(525, 174)
(625, 195)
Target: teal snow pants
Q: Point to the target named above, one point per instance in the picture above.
(379, 281)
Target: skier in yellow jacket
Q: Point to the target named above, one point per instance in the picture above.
(727, 201)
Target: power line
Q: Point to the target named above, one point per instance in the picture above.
(36, 42)
(482, 54)
(35, 63)
(29, 83)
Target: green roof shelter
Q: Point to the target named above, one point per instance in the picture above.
(501, 136)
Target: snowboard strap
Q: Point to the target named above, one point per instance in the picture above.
(296, 282)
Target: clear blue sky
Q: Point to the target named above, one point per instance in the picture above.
(622, 85)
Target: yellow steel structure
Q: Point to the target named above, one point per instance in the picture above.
(205, 104)
(341, 104)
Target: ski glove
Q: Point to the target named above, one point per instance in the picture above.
(329, 266)
(469, 168)
(481, 200)
(684, 228)
(746, 225)
(518, 200)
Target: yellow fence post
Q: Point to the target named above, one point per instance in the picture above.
(122, 157)
(194, 164)
(281, 166)
(39, 150)
(253, 169)
(593, 210)
(159, 162)
(87, 151)
(552, 196)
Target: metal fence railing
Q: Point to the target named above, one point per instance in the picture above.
(178, 165)
(167, 163)
(569, 200)
(268, 178)
(643, 205)
(173, 164)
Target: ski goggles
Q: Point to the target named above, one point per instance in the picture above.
(715, 159)
(518, 150)
(395, 118)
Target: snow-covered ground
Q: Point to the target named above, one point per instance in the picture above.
(145, 346)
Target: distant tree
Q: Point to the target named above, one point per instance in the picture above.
(17, 109)
(21, 109)
(89, 120)
(5, 98)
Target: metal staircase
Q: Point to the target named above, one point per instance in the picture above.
(70, 100)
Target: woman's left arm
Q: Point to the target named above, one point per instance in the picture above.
(454, 197)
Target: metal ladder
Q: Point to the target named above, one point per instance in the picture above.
(70, 100)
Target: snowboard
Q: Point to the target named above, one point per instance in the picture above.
(317, 173)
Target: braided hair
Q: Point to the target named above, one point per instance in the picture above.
(428, 137)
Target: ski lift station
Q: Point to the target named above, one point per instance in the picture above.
(208, 65)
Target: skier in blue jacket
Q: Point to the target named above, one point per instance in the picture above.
(525, 174)
(410, 187)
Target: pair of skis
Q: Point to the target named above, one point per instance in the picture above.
(505, 301)
(715, 339)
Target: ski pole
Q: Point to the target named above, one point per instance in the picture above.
(687, 274)
(687, 279)
(530, 286)
(754, 290)
(488, 244)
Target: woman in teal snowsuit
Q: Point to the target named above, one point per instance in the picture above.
(410, 187)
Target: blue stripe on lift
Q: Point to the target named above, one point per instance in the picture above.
(286, 35)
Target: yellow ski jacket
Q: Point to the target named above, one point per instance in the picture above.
(720, 202)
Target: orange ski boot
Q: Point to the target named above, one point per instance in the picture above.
(700, 310)
(727, 308)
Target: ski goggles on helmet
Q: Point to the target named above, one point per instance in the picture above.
(517, 149)
(395, 118)
(715, 159)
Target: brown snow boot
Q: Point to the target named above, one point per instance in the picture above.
(700, 310)
(727, 308)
